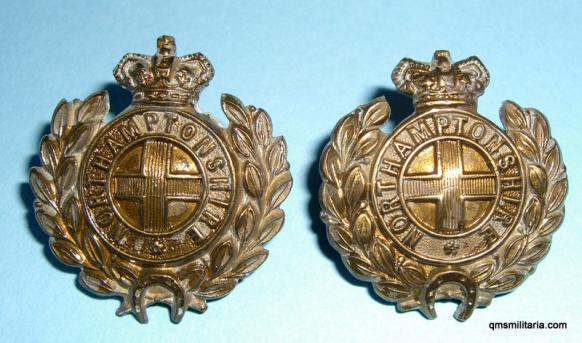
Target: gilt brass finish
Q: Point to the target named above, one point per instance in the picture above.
(447, 206)
(162, 204)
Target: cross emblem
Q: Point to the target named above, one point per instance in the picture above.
(450, 186)
(155, 186)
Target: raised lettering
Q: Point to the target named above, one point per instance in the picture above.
(403, 149)
(494, 144)
(509, 199)
(129, 130)
(97, 200)
(114, 145)
(390, 167)
(204, 147)
(384, 186)
(215, 164)
(219, 184)
(412, 237)
(101, 162)
(188, 131)
(442, 123)
(151, 119)
(420, 132)
(171, 119)
(460, 123)
(104, 218)
(477, 131)
(387, 206)
(489, 235)
(209, 218)
(219, 202)
(510, 182)
(506, 161)
(399, 224)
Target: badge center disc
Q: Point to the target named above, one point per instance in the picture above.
(448, 187)
(158, 186)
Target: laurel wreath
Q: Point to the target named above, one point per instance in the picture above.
(266, 182)
(544, 212)
(57, 205)
(352, 227)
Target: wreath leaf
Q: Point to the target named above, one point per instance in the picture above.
(557, 194)
(537, 249)
(251, 263)
(94, 108)
(50, 153)
(383, 257)
(253, 180)
(279, 190)
(218, 289)
(392, 290)
(340, 237)
(376, 114)
(235, 110)
(242, 141)
(96, 280)
(551, 223)
(46, 216)
(363, 230)
(355, 186)
(63, 119)
(273, 222)
(360, 266)
(245, 223)
(42, 185)
(532, 215)
(538, 179)
(67, 252)
(263, 128)
(221, 256)
(513, 116)
(277, 156)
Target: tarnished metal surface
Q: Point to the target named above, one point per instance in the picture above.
(447, 206)
(162, 204)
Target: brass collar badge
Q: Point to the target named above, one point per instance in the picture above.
(447, 206)
(161, 204)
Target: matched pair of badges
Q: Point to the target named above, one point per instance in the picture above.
(165, 205)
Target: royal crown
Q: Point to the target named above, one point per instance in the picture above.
(442, 82)
(164, 78)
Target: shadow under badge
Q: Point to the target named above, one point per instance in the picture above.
(447, 206)
(161, 204)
